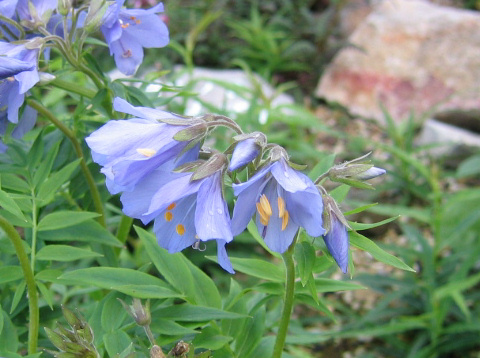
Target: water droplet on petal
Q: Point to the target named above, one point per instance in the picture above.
(210, 212)
(286, 174)
(220, 211)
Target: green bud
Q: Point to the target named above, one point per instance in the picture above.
(180, 349)
(64, 7)
(156, 352)
(191, 132)
(216, 162)
(94, 18)
(72, 319)
(56, 339)
(139, 313)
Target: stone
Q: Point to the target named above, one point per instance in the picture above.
(229, 91)
(408, 55)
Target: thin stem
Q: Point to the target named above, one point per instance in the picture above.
(30, 281)
(236, 128)
(124, 228)
(97, 201)
(72, 87)
(34, 232)
(14, 24)
(288, 302)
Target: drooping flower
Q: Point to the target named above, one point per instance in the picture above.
(128, 31)
(186, 211)
(130, 149)
(246, 149)
(283, 199)
(25, 123)
(336, 237)
(13, 88)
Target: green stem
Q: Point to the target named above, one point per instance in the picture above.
(30, 281)
(288, 302)
(72, 87)
(34, 232)
(97, 201)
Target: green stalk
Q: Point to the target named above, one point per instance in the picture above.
(34, 232)
(124, 228)
(72, 87)
(78, 150)
(30, 281)
(287, 303)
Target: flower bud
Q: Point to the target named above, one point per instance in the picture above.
(140, 314)
(192, 132)
(156, 352)
(95, 14)
(248, 147)
(216, 162)
(64, 7)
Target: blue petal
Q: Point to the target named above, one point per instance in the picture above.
(11, 66)
(288, 178)
(173, 191)
(152, 114)
(238, 188)
(337, 242)
(212, 218)
(151, 32)
(245, 206)
(7, 8)
(26, 122)
(245, 151)
(222, 257)
(15, 101)
(306, 208)
(128, 54)
(166, 231)
(277, 240)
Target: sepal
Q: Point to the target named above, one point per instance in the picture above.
(216, 162)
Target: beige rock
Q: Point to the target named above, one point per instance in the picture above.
(409, 55)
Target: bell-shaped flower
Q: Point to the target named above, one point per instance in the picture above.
(246, 149)
(130, 149)
(35, 12)
(284, 200)
(336, 238)
(186, 211)
(13, 88)
(128, 31)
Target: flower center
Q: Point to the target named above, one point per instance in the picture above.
(146, 152)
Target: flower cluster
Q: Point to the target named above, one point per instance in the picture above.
(156, 161)
(32, 27)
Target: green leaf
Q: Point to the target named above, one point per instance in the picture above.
(88, 231)
(206, 292)
(365, 244)
(10, 273)
(114, 278)
(148, 291)
(469, 167)
(64, 253)
(50, 186)
(113, 313)
(259, 268)
(210, 338)
(9, 336)
(305, 258)
(340, 193)
(360, 209)
(116, 342)
(171, 266)
(363, 226)
(10, 205)
(456, 286)
(188, 313)
(16, 298)
(46, 166)
(253, 331)
(62, 219)
(330, 285)
(46, 294)
(322, 166)
(169, 328)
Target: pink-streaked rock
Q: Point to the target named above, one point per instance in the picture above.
(410, 55)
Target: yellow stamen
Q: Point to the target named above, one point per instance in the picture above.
(264, 218)
(180, 229)
(281, 207)
(171, 206)
(285, 220)
(132, 17)
(146, 151)
(168, 216)
(265, 205)
(138, 22)
(127, 53)
(124, 26)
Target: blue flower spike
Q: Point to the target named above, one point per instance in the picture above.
(336, 238)
(128, 31)
(282, 199)
(247, 148)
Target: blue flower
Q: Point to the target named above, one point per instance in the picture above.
(43, 9)
(127, 31)
(13, 88)
(7, 7)
(185, 211)
(246, 150)
(283, 199)
(336, 238)
(130, 149)
(25, 123)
